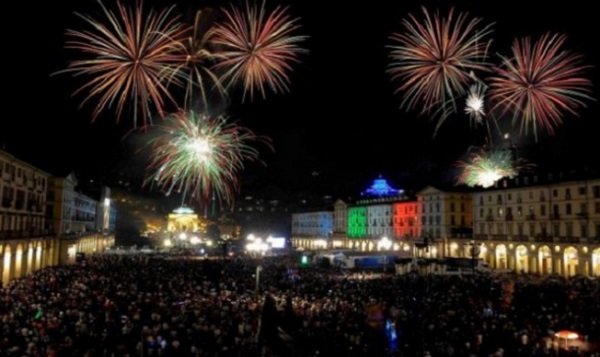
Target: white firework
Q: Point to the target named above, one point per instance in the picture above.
(475, 103)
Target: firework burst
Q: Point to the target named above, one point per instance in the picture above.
(129, 59)
(195, 62)
(485, 167)
(539, 83)
(475, 102)
(199, 156)
(434, 59)
(256, 48)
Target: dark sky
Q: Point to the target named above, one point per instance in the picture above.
(341, 118)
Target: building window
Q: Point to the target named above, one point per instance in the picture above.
(582, 190)
(584, 230)
(509, 228)
(597, 207)
(569, 208)
(519, 211)
(531, 229)
(481, 214)
(531, 211)
(583, 208)
(438, 220)
(462, 221)
(555, 210)
(530, 195)
(451, 206)
(500, 211)
(424, 208)
(500, 228)
(452, 220)
(499, 199)
(542, 196)
(437, 207)
(481, 200)
(569, 230)
(462, 207)
(568, 194)
(509, 197)
(555, 192)
(20, 203)
(556, 230)
(597, 230)
(543, 229)
(596, 191)
(489, 198)
(542, 210)
(520, 229)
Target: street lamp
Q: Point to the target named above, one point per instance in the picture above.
(474, 250)
(258, 270)
(384, 244)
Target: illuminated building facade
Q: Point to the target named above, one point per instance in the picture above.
(22, 196)
(546, 228)
(357, 222)
(72, 212)
(184, 219)
(340, 218)
(81, 223)
(379, 220)
(520, 225)
(445, 214)
(25, 244)
(406, 219)
(313, 224)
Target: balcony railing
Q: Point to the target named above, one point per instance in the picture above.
(32, 233)
(582, 215)
(520, 238)
(489, 218)
(555, 216)
(509, 217)
(531, 217)
(566, 240)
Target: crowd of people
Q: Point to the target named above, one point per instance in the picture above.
(148, 306)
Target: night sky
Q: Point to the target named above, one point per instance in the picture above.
(340, 125)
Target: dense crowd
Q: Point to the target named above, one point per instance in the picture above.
(143, 306)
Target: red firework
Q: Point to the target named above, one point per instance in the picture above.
(130, 58)
(540, 83)
(434, 59)
(256, 48)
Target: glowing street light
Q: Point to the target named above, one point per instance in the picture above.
(257, 246)
(384, 244)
